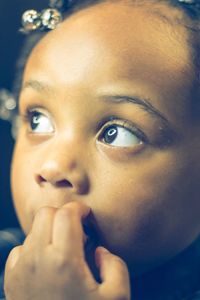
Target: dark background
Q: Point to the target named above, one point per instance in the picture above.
(11, 41)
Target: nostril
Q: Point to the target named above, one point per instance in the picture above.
(59, 183)
(40, 179)
(64, 183)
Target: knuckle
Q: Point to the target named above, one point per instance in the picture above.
(59, 262)
(68, 211)
(29, 263)
(75, 209)
(45, 210)
(14, 252)
(74, 205)
(13, 257)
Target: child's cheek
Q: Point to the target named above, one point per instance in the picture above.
(141, 210)
(22, 183)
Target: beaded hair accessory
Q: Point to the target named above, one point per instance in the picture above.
(47, 19)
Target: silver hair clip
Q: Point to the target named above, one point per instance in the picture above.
(47, 19)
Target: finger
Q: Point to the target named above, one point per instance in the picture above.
(67, 228)
(13, 258)
(114, 275)
(41, 232)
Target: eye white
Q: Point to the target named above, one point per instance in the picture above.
(41, 123)
(119, 136)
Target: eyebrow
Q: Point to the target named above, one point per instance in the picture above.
(145, 104)
(38, 86)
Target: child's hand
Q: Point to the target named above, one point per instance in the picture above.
(51, 264)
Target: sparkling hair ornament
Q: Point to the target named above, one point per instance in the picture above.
(47, 19)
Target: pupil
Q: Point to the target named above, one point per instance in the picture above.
(35, 120)
(110, 134)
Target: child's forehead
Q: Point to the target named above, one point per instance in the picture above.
(118, 33)
(123, 45)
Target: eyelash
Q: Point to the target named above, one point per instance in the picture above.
(29, 112)
(113, 120)
(27, 116)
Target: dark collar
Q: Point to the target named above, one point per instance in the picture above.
(177, 279)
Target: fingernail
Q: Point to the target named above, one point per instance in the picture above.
(101, 254)
(104, 250)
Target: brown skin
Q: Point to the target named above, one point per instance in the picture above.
(144, 195)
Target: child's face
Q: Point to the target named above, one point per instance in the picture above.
(107, 94)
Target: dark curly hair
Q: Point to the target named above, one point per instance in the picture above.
(191, 21)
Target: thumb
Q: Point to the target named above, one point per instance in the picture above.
(114, 275)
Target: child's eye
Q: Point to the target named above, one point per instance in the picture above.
(39, 122)
(120, 136)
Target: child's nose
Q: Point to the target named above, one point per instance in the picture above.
(63, 171)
